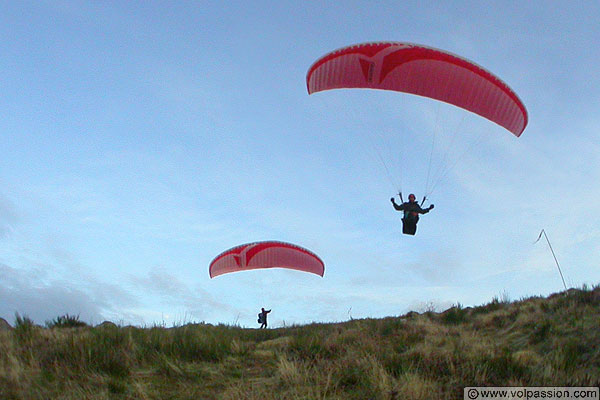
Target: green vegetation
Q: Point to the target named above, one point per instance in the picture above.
(531, 342)
(66, 321)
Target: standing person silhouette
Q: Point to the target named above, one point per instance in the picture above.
(262, 318)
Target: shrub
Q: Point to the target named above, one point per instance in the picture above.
(66, 321)
(454, 315)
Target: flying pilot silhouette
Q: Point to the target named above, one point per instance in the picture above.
(411, 209)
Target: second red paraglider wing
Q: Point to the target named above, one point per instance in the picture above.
(423, 71)
(269, 254)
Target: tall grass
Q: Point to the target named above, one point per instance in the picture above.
(531, 342)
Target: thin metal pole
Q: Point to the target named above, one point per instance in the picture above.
(553, 255)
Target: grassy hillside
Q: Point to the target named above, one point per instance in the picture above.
(551, 341)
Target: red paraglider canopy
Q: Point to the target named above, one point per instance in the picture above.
(268, 254)
(423, 71)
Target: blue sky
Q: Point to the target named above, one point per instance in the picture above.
(140, 140)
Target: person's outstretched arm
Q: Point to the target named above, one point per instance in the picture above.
(425, 210)
(398, 207)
